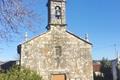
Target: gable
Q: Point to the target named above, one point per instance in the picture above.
(79, 38)
(19, 47)
(46, 34)
(47, 37)
(36, 37)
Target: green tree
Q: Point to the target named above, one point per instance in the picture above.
(20, 73)
(106, 69)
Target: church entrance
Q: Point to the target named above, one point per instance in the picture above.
(58, 77)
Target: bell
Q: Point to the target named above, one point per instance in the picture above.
(58, 12)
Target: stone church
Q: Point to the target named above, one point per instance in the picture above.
(57, 54)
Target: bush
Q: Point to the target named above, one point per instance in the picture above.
(19, 73)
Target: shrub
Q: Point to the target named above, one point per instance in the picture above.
(19, 73)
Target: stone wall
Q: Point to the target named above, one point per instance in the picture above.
(58, 52)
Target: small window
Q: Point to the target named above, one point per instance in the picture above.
(58, 51)
(57, 12)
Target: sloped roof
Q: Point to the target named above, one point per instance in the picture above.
(66, 31)
(97, 67)
(79, 37)
(19, 46)
(1, 62)
(33, 38)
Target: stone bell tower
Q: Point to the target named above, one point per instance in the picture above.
(56, 14)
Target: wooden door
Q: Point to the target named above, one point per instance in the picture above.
(58, 77)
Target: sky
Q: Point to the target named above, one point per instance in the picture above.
(100, 19)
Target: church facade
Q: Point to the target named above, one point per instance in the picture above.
(57, 54)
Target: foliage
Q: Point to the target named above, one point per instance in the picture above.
(106, 69)
(18, 73)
